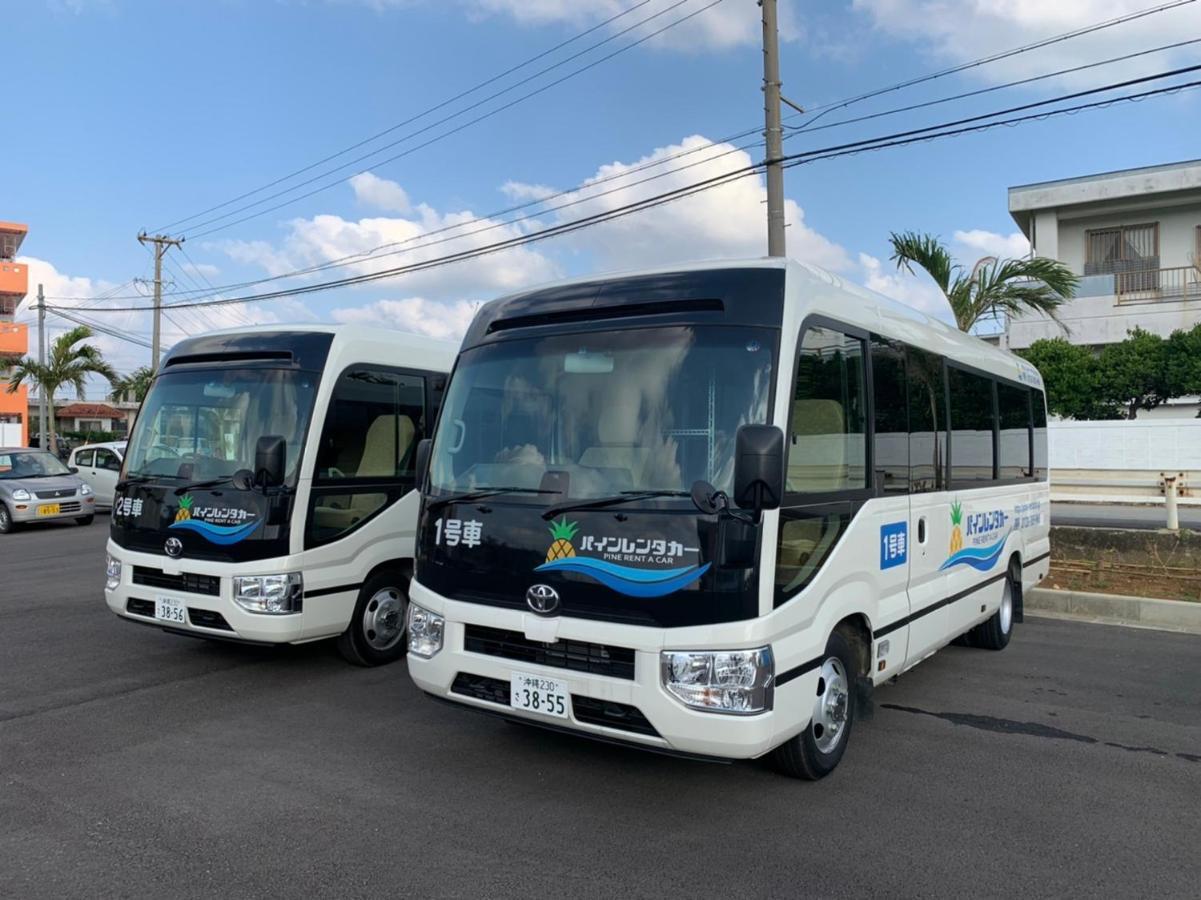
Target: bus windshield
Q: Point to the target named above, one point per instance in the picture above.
(205, 424)
(648, 409)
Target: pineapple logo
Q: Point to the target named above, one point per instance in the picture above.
(956, 530)
(562, 531)
(185, 508)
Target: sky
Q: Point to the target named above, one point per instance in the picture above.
(132, 115)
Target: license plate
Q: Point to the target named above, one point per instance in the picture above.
(533, 693)
(49, 509)
(168, 609)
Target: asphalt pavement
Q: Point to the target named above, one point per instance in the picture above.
(137, 763)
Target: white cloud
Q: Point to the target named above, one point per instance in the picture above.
(734, 23)
(201, 270)
(916, 290)
(517, 190)
(371, 190)
(960, 31)
(989, 243)
(442, 321)
(723, 222)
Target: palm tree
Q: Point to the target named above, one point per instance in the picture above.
(136, 383)
(67, 364)
(1011, 286)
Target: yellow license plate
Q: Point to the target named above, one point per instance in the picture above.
(49, 509)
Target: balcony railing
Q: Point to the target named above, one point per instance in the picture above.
(1158, 285)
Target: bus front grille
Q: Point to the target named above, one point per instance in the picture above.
(578, 656)
(188, 582)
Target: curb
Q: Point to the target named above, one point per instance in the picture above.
(1115, 609)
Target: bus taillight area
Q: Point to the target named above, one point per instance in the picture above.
(602, 680)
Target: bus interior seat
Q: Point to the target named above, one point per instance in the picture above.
(387, 449)
(617, 447)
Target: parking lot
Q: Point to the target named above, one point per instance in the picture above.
(135, 763)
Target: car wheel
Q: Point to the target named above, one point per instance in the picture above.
(85, 520)
(994, 633)
(6, 520)
(816, 751)
(376, 633)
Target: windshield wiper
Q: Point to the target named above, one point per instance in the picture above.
(238, 479)
(469, 496)
(142, 479)
(601, 502)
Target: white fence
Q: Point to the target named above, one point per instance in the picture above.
(1125, 461)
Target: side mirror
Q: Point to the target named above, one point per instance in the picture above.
(421, 462)
(759, 467)
(74, 470)
(269, 455)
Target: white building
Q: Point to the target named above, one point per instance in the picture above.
(1135, 238)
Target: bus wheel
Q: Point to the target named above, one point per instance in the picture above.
(994, 633)
(376, 632)
(815, 752)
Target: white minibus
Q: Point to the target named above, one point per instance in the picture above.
(267, 490)
(706, 510)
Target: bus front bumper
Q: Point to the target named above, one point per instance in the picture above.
(629, 708)
(208, 615)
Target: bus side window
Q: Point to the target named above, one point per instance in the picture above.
(972, 420)
(1013, 408)
(927, 421)
(366, 455)
(1038, 404)
(891, 457)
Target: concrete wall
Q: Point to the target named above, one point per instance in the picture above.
(1095, 321)
(1144, 444)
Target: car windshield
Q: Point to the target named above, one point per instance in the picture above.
(205, 424)
(594, 414)
(30, 464)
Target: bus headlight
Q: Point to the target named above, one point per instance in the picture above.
(271, 594)
(112, 572)
(721, 681)
(425, 631)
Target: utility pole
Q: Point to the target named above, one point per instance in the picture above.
(773, 131)
(162, 244)
(43, 403)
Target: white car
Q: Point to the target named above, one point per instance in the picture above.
(100, 466)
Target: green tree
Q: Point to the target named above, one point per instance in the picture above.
(136, 383)
(1183, 365)
(1134, 372)
(1072, 376)
(70, 362)
(994, 286)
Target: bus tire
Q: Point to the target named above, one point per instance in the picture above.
(994, 632)
(816, 751)
(376, 633)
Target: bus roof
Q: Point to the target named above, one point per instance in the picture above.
(809, 290)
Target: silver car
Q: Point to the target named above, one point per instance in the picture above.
(35, 486)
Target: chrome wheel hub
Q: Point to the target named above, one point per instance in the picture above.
(832, 707)
(384, 619)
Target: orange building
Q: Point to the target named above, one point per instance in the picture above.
(14, 338)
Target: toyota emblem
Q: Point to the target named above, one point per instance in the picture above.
(174, 547)
(542, 599)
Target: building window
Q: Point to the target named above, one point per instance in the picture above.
(1128, 248)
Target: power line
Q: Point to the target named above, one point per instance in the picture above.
(800, 129)
(890, 140)
(435, 138)
(441, 105)
(996, 57)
